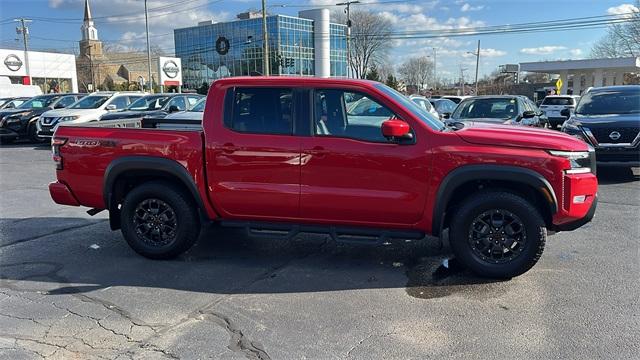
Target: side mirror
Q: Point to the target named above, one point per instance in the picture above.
(110, 107)
(10, 106)
(528, 114)
(173, 109)
(446, 115)
(396, 129)
(565, 112)
(58, 106)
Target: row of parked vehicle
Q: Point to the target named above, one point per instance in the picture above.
(607, 118)
(37, 118)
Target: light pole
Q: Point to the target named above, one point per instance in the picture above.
(265, 39)
(348, 12)
(435, 74)
(24, 30)
(146, 25)
(477, 55)
(86, 53)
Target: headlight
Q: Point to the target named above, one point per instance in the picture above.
(571, 125)
(580, 161)
(69, 118)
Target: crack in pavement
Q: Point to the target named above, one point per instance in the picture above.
(356, 345)
(238, 342)
(55, 232)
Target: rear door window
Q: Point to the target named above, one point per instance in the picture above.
(262, 111)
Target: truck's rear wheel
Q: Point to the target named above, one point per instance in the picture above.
(498, 234)
(159, 222)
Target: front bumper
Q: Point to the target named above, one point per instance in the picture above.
(8, 133)
(576, 201)
(572, 225)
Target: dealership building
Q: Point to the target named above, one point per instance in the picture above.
(307, 45)
(51, 71)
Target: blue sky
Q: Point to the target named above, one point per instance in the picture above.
(120, 23)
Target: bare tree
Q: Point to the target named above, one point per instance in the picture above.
(417, 71)
(370, 39)
(622, 39)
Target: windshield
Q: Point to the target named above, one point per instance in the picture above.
(424, 116)
(38, 102)
(199, 106)
(148, 103)
(609, 102)
(90, 102)
(500, 108)
(557, 101)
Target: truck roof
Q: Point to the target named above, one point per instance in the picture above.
(291, 81)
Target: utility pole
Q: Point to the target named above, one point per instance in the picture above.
(24, 30)
(462, 69)
(477, 55)
(265, 37)
(435, 74)
(348, 12)
(146, 25)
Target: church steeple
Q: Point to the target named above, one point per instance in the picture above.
(89, 31)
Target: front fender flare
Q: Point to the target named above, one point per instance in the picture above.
(467, 173)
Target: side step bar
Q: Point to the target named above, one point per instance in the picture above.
(348, 235)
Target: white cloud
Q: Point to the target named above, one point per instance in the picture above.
(490, 53)
(623, 10)
(542, 50)
(575, 52)
(468, 7)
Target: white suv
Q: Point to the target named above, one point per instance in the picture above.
(552, 105)
(89, 108)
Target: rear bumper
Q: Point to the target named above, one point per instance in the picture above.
(61, 194)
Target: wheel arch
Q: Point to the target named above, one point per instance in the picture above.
(124, 173)
(464, 181)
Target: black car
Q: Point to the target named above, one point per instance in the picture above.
(12, 102)
(500, 109)
(20, 122)
(156, 105)
(608, 118)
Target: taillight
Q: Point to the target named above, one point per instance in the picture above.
(56, 144)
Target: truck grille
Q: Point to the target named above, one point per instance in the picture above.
(603, 134)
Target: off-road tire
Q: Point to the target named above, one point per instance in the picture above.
(187, 224)
(478, 204)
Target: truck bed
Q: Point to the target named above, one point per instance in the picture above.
(90, 148)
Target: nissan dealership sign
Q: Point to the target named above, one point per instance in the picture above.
(13, 62)
(170, 70)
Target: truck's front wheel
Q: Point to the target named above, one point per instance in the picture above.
(497, 234)
(159, 222)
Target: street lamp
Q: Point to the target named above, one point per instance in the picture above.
(347, 11)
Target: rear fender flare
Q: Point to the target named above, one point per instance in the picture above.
(170, 168)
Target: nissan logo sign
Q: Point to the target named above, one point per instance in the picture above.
(614, 135)
(12, 62)
(170, 68)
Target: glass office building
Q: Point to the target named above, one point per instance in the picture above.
(307, 46)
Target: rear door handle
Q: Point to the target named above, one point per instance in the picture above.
(228, 148)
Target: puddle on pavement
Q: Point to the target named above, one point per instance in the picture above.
(430, 278)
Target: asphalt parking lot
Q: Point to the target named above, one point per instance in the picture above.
(71, 288)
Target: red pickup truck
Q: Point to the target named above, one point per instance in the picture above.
(351, 158)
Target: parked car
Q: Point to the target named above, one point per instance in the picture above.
(22, 122)
(273, 168)
(444, 107)
(552, 105)
(500, 109)
(424, 103)
(12, 102)
(156, 105)
(89, 108)
(190, 119)
(608, 118)
(455, 98)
